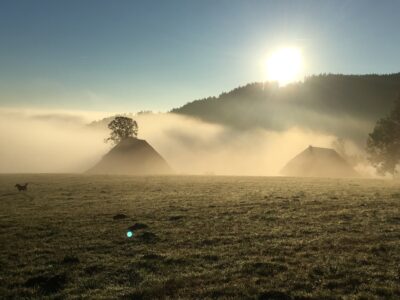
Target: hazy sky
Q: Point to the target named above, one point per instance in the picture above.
(136, 55)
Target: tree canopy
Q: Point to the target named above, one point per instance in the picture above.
(122, 128)
(383, 144)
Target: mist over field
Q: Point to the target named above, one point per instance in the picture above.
(193, 146)
(45, 142)
(62, 142)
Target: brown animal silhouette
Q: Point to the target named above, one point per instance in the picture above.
(22, 187)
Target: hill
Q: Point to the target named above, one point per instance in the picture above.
(131, 156)
(343, 105)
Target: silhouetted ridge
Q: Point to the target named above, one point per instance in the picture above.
(343, 105)
(132, 156)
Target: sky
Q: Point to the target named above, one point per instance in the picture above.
(127, 56)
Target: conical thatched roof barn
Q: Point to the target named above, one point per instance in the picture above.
(132, 156)
(318, 162)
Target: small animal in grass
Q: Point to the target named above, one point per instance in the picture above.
(22, 187)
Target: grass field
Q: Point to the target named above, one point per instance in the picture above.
(206, 237)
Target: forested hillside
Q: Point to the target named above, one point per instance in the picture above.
(344, 105)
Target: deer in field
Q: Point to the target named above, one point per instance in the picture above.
(21, 187)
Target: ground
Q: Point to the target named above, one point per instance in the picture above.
(206, 237)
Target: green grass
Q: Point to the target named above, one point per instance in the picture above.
(207, 237)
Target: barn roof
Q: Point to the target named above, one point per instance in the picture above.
(318, 162)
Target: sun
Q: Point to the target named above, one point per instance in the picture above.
(284, 66)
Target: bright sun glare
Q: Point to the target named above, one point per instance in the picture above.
(284, 66)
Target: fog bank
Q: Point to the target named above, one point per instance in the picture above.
(47, 142)
(60, 142)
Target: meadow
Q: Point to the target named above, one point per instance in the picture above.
(199, 237)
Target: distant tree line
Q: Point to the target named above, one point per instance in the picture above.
(312, 104)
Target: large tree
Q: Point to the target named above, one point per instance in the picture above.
(122, 128)
(383, 144)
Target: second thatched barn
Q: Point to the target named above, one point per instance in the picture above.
(318, 162)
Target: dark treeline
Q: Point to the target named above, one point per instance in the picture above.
(343, 105)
